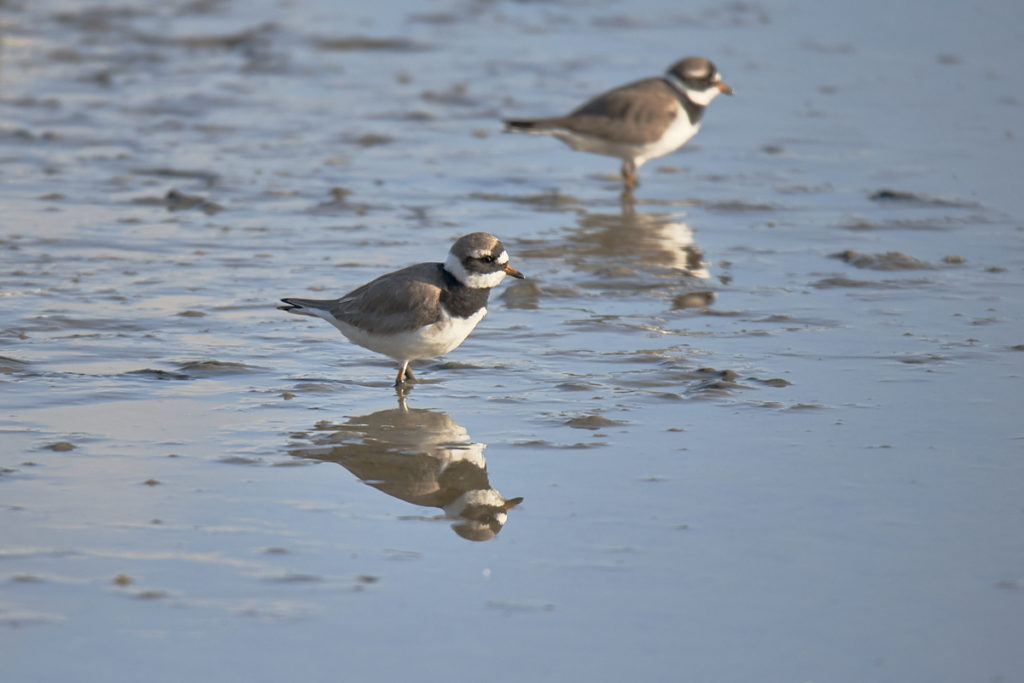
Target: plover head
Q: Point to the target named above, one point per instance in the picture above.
(479, 260)
(700, 79)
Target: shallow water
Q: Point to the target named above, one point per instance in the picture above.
(763, 416)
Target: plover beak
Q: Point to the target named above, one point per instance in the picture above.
(722, 87)
(513, 272)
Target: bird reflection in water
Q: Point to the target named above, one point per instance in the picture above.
(422, 457)
(659, 239)
(633, 250)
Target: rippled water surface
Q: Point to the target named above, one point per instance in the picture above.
(759, 421)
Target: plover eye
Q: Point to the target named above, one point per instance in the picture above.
(487, 259)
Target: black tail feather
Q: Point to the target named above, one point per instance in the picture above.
(520, 124)
(531, 125)
(290, 307)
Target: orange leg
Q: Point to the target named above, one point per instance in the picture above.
(629, 173)
(404, 374)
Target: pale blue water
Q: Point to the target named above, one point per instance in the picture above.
(815, 477)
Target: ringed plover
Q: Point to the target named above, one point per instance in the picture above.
(420, 311)
(638, 121)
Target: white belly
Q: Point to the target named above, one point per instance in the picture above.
(675, 137)
(432, 340)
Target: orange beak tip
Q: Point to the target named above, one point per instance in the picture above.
(514, 273)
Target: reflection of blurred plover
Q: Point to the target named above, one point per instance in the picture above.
(639, 121)
(421, 311)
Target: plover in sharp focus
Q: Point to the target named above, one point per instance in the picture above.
(421, 311)
(639, 121)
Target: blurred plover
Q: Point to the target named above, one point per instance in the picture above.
(639, 121)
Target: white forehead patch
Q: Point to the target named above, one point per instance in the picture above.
(481, 253)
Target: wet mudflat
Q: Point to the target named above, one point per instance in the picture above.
(763, 415)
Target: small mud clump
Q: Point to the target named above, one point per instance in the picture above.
(890, 260)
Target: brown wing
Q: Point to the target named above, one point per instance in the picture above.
(397, 302)
(637, 113)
